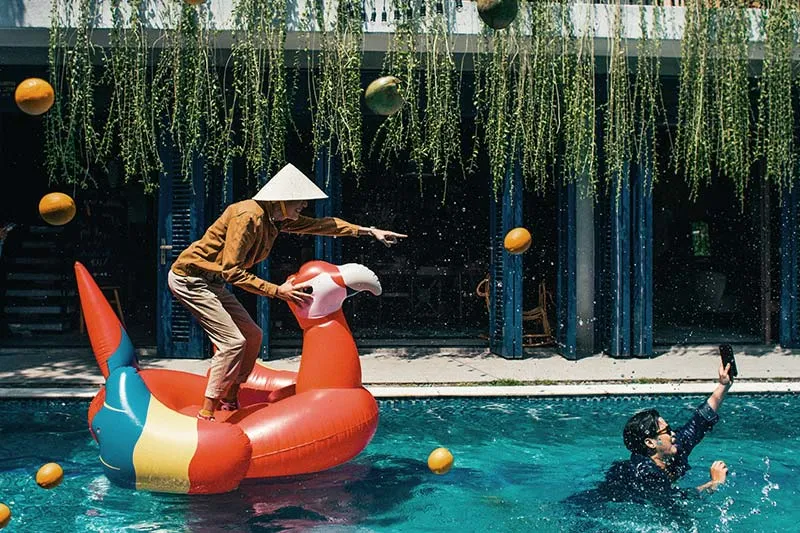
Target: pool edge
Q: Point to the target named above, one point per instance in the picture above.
(383, 391)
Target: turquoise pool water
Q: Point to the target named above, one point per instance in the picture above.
(519, 465)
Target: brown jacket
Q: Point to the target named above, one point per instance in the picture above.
(243, 236)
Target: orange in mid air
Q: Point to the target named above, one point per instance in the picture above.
(57, 208)
(517, 241)
(34, 96)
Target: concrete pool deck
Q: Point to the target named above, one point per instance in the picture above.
(35, 372)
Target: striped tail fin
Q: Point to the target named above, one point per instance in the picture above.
(110, 343)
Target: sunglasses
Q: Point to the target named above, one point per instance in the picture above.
(666, 430)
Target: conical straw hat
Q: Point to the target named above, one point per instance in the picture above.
(289, 184)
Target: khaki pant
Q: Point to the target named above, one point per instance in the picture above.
(227, 323)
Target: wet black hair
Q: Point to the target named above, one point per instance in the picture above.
(640, 426)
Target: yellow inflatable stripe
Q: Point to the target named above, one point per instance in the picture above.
(162, 455)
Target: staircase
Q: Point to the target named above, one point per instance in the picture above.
(40, 288)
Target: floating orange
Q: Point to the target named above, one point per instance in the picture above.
(195, 2)
(517, 241)
(440, 460)
(5, 515)
(49, 476)
(57, 208)
(383, 96)
(34, 96)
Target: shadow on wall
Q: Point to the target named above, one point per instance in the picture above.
(11, 12)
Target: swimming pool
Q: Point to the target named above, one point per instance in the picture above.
(518, 460)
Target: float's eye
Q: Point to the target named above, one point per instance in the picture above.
(308, 290)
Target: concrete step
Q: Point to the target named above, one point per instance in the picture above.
(38, 261)
(40, 293)
(38, 309)
(35, 276)
(45, 229)
(39, 326)
(37, 245)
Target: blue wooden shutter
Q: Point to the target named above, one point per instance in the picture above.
(566, 274)
(642, 261)
(790, 269)
(180, 222)
(328, 178)
(505, 271)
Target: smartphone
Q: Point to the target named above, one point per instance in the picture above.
(726, 353)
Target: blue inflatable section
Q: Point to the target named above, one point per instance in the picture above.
(124, 355)
(123, 414)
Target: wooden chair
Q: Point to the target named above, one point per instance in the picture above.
(112, 293)
(537, 315)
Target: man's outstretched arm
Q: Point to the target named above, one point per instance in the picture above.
(716, 398)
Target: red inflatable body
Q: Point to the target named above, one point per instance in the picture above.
(289, 423)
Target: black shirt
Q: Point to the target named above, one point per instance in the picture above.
(640, 477)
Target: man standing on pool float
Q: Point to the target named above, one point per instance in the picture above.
(241, 237)
(660, 456)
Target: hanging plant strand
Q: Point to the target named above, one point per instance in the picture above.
(188, 91)
(72, 141)
(130, 119)
(776, 115)
(260, 81)
(694, 139)
(537, 107)
(442, 109)
(399, 136)
(648, 101)
(335, 83)
(617, 143)
(579, 137)
(732, 99)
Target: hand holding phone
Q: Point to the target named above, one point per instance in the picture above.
(726, 353)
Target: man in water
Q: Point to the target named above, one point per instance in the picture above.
(660, 456)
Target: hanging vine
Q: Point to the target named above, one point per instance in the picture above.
(400, 134)
(578, 85)
(335, 82)
(187, 90)
(648, 101)
(617, 144)
(536, 111)
(694, 139)
(442, 98)
(776, 114)
(732, 94)
(72, 141)
(130, 121)
(262, 93)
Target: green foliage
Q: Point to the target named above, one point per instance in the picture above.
(400, 135)
(442, 102)
(578, 86)
(494, 98)
(618, 141)
(130, 124)
(72, 140)
(776, 113)
(187, 89)
(262, 94)
(648, 102)
(732, 94)
(692, 155)
(536, 111)
(335, 82)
